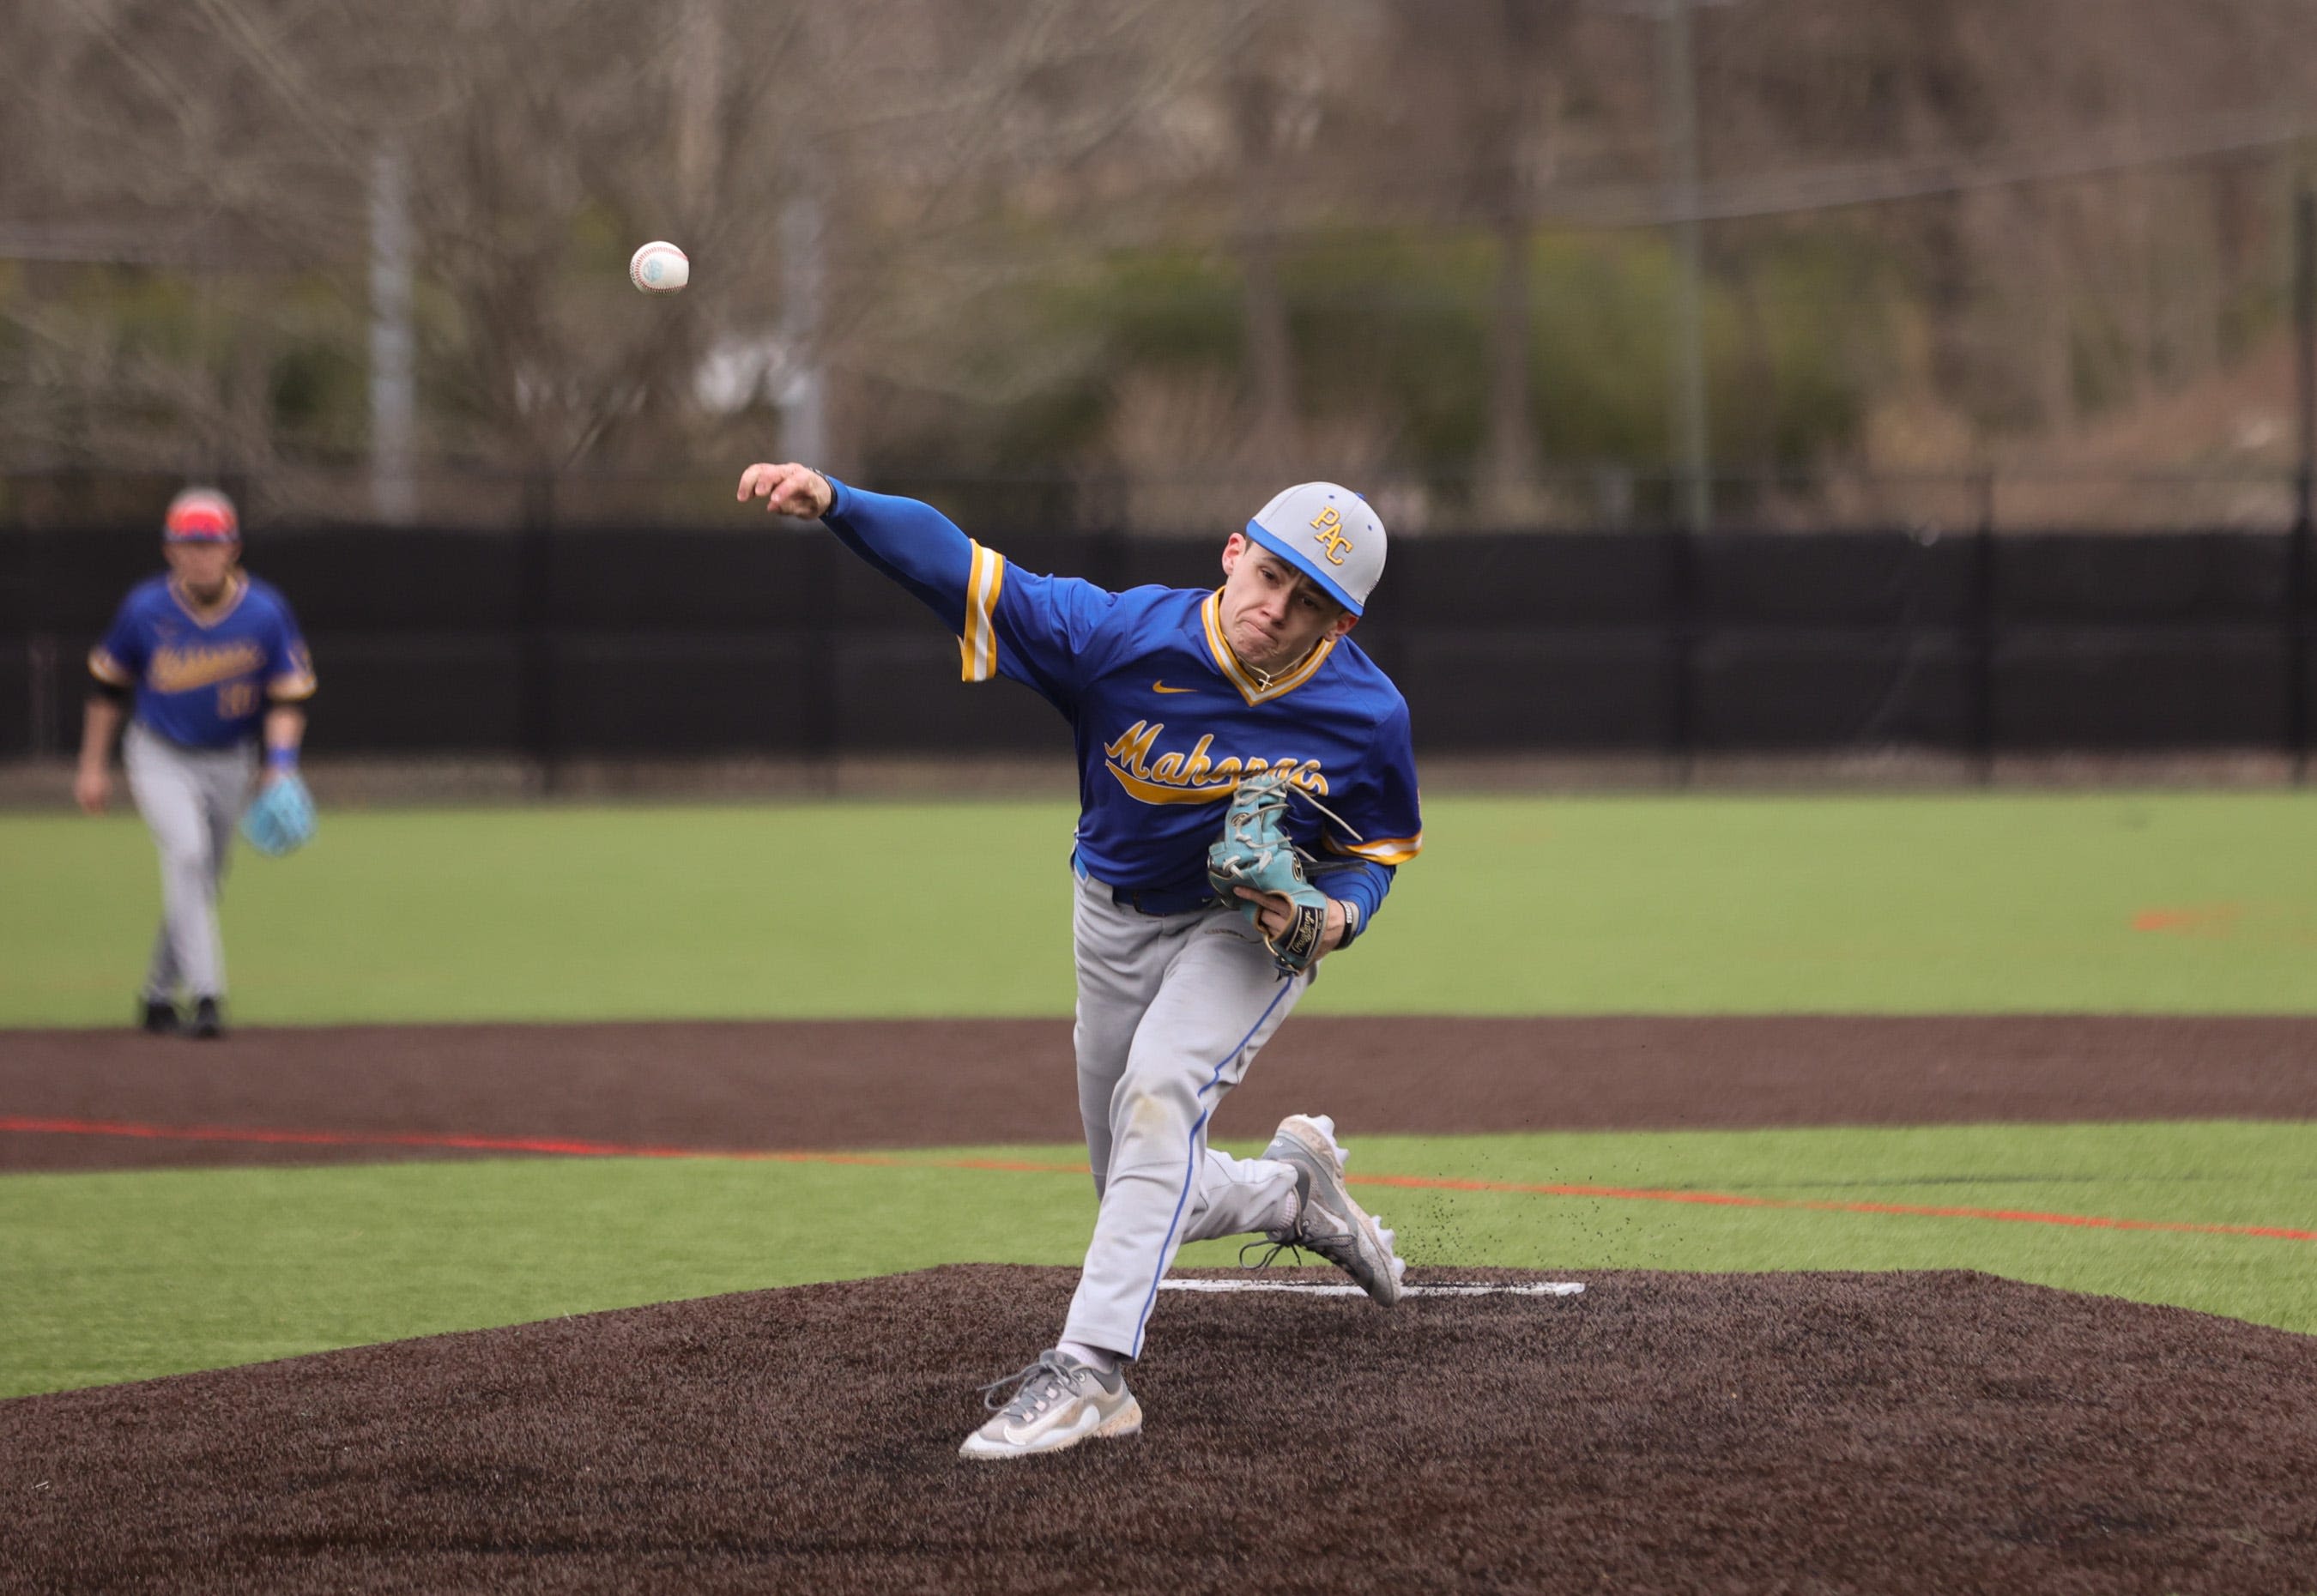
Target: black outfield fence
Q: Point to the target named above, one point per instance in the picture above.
(641, 641)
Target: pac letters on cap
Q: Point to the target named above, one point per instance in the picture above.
(1329, 524)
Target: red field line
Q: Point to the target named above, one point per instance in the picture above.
(567, 1147)
(1734, 1200)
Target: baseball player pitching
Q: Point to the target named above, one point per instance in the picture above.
(1223, 737)
(203, 663)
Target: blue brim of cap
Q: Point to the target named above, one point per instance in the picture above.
(1314, 568)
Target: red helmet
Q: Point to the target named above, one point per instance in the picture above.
(200, 515)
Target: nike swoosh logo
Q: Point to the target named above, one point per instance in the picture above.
(1162, 687)
(1086, 1420)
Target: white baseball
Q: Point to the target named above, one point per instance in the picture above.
(659, 268)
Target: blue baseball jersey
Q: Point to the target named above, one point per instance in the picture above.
(1164, 715)
(205, 678)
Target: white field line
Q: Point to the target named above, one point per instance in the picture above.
(1297, 1287)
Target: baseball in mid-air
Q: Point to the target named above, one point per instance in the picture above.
(659, 268)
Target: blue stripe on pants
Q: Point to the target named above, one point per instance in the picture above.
(1190, 1167)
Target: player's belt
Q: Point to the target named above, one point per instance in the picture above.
(240, 742)
(1180, 900)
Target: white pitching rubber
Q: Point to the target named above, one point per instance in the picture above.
(1319, 1288)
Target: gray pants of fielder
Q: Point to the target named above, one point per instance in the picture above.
(191, 800)
(1171, 1010)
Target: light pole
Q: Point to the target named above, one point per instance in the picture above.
(1677, 126)
(1677, 140)
(393, 384)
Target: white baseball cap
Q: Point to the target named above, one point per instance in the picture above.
(1330, 534)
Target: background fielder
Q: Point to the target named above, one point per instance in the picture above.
(1173, 697)
(204, 659)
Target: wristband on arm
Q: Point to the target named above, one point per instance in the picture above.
(281, 759)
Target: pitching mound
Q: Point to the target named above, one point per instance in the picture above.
(1932, 1432)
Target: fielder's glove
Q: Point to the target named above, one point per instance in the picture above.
(1253, 852)
(281, 818)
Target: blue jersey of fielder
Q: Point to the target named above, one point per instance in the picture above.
(1166, 717)
(205, 678)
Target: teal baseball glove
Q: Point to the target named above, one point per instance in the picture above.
(1253, 852)
(281, 818)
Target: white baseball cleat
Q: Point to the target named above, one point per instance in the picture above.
(1057, 1403)
(1326, 1220)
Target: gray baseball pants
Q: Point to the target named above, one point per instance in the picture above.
(191, 798)
(1171, 1010)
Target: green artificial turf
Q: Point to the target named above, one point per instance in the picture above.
(2179, 904)
(114, 1277)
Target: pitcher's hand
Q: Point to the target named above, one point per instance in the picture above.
(1276, 913)
(787, 490)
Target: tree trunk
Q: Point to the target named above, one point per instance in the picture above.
(1269, 350)
(1509, 478)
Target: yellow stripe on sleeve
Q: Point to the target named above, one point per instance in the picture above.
(977, 644)
(1384, 849)
(109, 670)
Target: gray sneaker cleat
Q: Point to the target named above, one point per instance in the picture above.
(1326, 1220)
(1058, 1402)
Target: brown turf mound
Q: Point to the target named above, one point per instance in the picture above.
(862, 1083)
(1930, 1432)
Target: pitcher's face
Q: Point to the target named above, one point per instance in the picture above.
(1273, 614)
